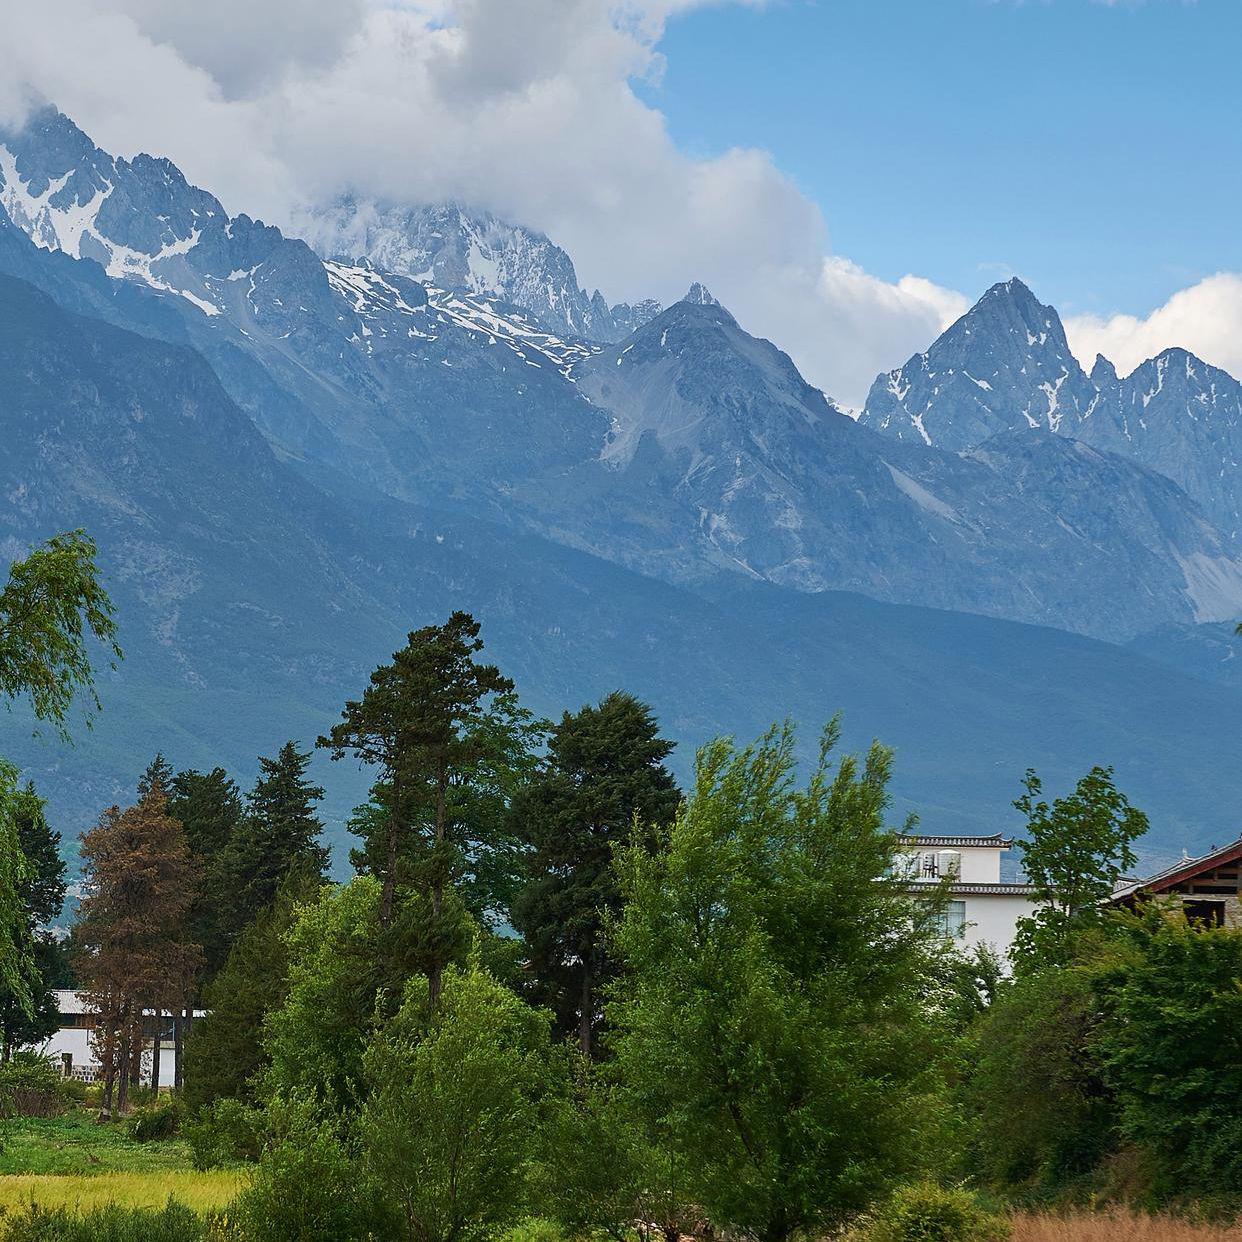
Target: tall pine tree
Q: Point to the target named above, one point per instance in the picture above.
(604, 769)
(280, 834)
(422, 721)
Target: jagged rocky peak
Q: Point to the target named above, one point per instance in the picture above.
(1103, 373)
(1005, 364)
(456, 247)
(700, 295)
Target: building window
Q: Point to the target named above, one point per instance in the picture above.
(931, 866)
(952, 920)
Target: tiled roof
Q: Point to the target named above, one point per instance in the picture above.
(1180, 872)
(994, 842)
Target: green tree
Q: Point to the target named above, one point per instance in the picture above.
(1031, 1049)
(770, 1013)
(315, 1040)
(604, 768)
(1170, 1044)
(210, 810)
(51, 605)
(225, 1054)
(41, 894)
(281, 833)
(421, 722)
(16, 965)
(1074, 852)
(452, 1120)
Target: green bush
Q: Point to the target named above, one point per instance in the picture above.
(172, 1223)
(31, 1086)
(307, 1186)
(228, 1132)
(926, 1212)
(159, 1120)
(535, 1230)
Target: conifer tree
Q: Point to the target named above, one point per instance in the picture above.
(419, 721)
(280, 834)
(604, 768)
(133, 945)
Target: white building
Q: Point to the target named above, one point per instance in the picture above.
(71, 1047)
(982, 907)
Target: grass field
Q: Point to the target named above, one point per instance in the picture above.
(1118, 1226)
(73, 1162)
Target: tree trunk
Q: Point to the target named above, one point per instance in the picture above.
(178, 1042)
(435, 980)
(586, 1012)
(122, 1091)
(389, 888)
(155, 1051)
(107, 1052)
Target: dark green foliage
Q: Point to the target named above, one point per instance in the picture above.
(1170, 1046)
(1075, 851)
(279, 835)
(1031, 1052)
(443, 731)
(173, 1223)
(226, 1132)
(604, 770)
(225, 1049)
(209, 807)
(926, 1212)
(156, 1121)
(31, 1086)
(41, 894)
(52, 603)
(770, 1015)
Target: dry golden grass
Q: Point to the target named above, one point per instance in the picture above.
(1117, 1225)
(200, 1191)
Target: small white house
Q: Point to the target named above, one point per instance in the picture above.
(71, 1047)
(982, 907)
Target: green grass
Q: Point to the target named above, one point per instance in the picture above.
(76, 1145)
(201, 1192)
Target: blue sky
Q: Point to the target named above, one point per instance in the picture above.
(1094, 149)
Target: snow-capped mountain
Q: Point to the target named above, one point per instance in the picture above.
(1003, 365)
(473, 252)
(1006, 364)
(685, 451)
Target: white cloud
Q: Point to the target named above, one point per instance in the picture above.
(1205, 319)
(522, 106)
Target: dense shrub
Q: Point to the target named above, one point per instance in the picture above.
(229, 1132)
(31, 1086)
(158, 1120)
(172, 1223)
(925, 1212)
(307, 1187)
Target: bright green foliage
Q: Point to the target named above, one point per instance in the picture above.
(16, 963)
(1171, 1047)
(31, 1086)
(307, 1188)
(770, 1015)
(604, 768)
(315, 1040)
(926, 1212)
(1030, 1056)
(41, 895)
(452, 1119)
(52, 603)
(225, 1050)
(1075, 851)
(227, 1132)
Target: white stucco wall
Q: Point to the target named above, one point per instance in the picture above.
(993, 918)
